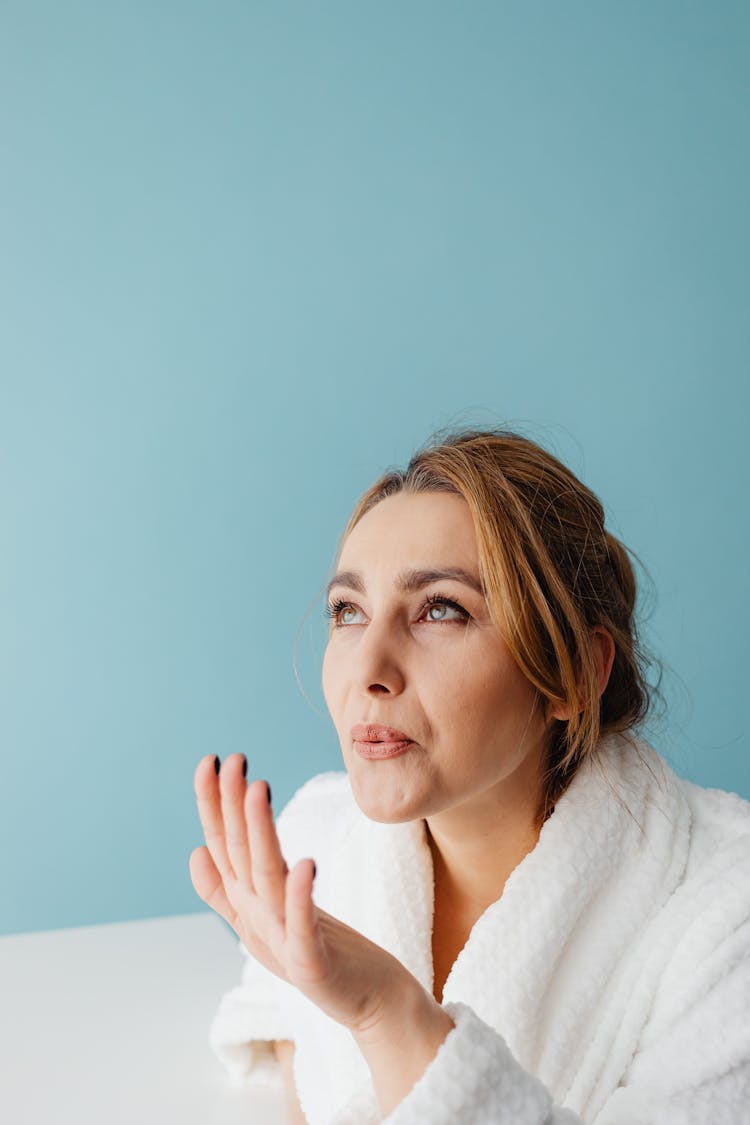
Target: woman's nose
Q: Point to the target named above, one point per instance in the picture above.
(378, 660)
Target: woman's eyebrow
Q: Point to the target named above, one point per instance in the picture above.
(409, 580)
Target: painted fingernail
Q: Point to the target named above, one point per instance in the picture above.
(244, 766)
(217, 763)
(315, 869)
(268, 787)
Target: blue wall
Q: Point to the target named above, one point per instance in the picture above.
(252, 254)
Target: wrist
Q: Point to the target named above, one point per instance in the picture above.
(402, 1041)
(403, 1000)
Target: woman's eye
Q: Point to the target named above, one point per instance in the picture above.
(336, 610)
(442, 607)
(448, 611)
(436, 609)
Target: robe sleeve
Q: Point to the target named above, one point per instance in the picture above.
(248, 1020)
(474, 1077)
(694, 1070)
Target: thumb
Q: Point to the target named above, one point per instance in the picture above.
(304, 945)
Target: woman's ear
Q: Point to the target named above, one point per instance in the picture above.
(604, 657)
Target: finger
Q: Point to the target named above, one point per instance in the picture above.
(232, 789)
(209, 886)
(269, 869)
(206, 785)
(302, 932)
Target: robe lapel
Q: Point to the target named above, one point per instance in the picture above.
(384, 876)
(540, 963)
(547, 964)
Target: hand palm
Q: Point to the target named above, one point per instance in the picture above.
(242, 875)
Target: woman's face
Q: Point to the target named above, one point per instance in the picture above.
(440, 673)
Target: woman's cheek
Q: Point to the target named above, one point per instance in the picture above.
(449, 681)
(329, 677)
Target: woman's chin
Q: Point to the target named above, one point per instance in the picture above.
(385, 804)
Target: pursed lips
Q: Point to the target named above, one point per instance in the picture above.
(374, 732)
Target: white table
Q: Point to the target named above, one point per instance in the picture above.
(109, 1024)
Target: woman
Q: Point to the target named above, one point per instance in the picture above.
(521, 915)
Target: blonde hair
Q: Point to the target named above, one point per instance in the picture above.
(552, 572)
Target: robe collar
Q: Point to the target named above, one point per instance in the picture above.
(540, 962)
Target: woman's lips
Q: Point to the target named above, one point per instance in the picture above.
(374, 741)
(374, 732)
(382, 749)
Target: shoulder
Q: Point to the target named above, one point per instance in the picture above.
(705, 927)
(707, 846)
(717, 822)
(710, 910)
(719, 830)
(726, 811)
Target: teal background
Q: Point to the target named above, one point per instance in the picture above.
(253, 254)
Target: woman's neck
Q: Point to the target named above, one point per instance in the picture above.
(476, 846)
(470, 873)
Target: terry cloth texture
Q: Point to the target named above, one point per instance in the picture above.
(608, 985)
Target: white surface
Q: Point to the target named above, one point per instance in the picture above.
(110, 1024)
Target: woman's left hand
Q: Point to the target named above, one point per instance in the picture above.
(242, 875)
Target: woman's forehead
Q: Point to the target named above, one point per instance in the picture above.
(440, 514)
(407, 533)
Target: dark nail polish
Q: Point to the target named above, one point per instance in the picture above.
(315, 869)
(268, 787)
(217, 763)
(244, 766)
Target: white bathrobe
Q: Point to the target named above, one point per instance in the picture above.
(609, 984)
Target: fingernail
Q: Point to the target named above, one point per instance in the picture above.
(268, 787)
(244, 766)
(315, 869)
(217, 763)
